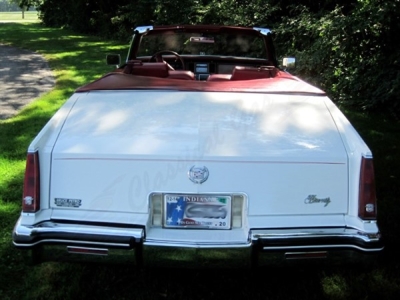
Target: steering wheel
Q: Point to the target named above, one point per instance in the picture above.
(158, 58)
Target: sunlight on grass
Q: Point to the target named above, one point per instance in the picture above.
(335, 287)
(9, 208)
(385, 283)
(9, 168)
(11, 175)
(16, 16)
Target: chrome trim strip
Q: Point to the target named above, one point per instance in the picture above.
(311, 233)
(159, 243)
(263, 31)
(64, 241)
(328, 238)
(330, 247)
(143, 29)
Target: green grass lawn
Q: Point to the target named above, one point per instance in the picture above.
(17, 16)
(77, 59)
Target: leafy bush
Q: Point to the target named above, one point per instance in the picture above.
(349, 53)
(348, 48)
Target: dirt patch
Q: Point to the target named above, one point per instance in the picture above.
(24, 76)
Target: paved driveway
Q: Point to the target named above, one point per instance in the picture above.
(24, 76)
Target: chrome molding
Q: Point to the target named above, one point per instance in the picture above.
(332, 238)
(198, 245)
(71, 242)
(263, 31)
(331, 247)
(143, 29)
(311, 233)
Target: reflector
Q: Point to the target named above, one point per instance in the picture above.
(86, 250)
(156, 209)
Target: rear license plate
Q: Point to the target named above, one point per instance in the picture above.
(197, 211)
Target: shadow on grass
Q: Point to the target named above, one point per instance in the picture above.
(54, 281)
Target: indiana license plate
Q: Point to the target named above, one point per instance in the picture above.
(197, 211)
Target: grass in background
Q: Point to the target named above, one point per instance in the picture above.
(76, 60)
(16, 16)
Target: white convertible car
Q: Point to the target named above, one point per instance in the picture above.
(198, 140)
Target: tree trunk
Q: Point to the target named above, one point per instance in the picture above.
(23, 12)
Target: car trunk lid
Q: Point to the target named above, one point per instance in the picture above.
(283, 152)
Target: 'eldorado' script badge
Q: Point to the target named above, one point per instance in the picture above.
(313, 199)
(198, 174)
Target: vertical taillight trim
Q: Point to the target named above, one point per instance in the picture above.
(367, 209)
(31, 192)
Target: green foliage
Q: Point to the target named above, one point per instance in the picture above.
(239, 13)
(348, 48)
(16, 5)
(350, 53)
(8, 5)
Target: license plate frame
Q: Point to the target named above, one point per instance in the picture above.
(199, 211)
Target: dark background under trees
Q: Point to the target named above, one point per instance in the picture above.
(349, 48)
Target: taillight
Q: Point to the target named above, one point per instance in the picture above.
(31, 193)
(367, 196)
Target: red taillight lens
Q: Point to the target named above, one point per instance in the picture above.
(31, 194)
(367, 195)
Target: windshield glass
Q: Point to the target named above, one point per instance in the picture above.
(204, 44)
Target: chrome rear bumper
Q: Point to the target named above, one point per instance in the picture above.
(339, 244)
(316, 238)
(102, 241)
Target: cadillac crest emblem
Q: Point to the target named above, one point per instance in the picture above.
(198, 174)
